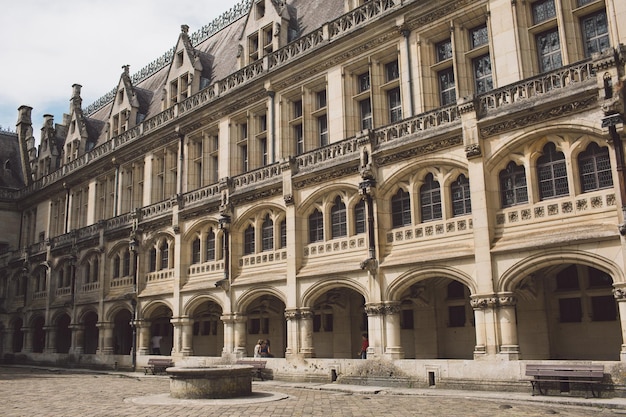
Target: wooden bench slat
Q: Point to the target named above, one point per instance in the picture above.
(590, 375)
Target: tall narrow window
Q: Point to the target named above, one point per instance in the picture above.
(552, 173)
(248, 241)
(365, 109)
(549, 50)
(430, 199)
(316, 226)
(195, 251)
(392, 71)
(322, 128)
(359, 217)
(595, 168)
(338, 219)
(595, 31)
(513, 188)
(152, 260)
(447, 89)
(283, 234)
(401, 209)
(210, 245)
(482, 74)
(298, 137)
(267, 232)
(165, 255)
(395, 105)
(461, 202)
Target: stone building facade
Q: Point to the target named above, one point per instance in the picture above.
(445, 176)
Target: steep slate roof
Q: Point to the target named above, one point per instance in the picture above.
(218, 55)
(10, 162)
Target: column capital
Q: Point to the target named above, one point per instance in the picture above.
(483, 302)
(382, 309)
(619, 293)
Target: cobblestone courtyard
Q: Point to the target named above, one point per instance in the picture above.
(53, 392)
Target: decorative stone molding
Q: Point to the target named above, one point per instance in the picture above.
(435, 146)
(507, 301)
(289, 200)
(370, 265)
(481, 303)
(619, 294)
(538, 117)
(473, 151)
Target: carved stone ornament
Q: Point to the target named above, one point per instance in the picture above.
(507, 301)
(375, 309)
(483, 302)
(292, 315)
(619, 294)
(289, 200)
(370, 265)
(473, 151)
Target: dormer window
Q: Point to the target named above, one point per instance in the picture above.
(253, 47)
(73, 126)
(179, 58)
(260, 9)
(120, 96)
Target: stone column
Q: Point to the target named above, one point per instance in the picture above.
(50, 345)
(105, 336)
(78, 339)
(143, 337)
(177, 337)
(240, 335)
(508, 326)
(292, 317)
(620, 297)
(187, 336)
(229, 334)
(307, 349)
(393, 346)
(27, 346)
(480, 305)
(375, 313)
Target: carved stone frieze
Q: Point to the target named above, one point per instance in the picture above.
(473, 151)
(431, 147)
(481, 303)
(537, 117)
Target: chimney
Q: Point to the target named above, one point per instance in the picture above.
(24, 128)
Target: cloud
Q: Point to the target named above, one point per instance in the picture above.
(47, 46)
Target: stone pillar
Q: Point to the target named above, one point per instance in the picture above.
(187, 336)
(177, 337)
(292, 317)
(240, 335)
(620, 297)
(27, 346)
(307, 349)
(375, 313)
(393, 346)
(508, 326)
(229, 334)
(480, 306)
(105, 336)
(51, 339)
(78, 339)
(143, 337)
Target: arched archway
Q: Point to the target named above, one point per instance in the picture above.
(339, 320)
(161, 329)
(122, 332)
(208, 329)
(266, 320)
(63, 338)
(567, 311)
(437, 320)
(39, 334)
(18, 336)
(91, 332)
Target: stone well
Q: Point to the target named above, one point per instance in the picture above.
(217, 381)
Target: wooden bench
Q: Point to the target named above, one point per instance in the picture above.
(590, 376)
(157, 366)
(257, 367)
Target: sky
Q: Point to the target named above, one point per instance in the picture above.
(47, 46)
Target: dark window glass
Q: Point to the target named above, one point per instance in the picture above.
(165, 255)
(447, 88)
(479, 36)
(543, 10)
(316, 227)
(395, 105)
(444, 50)
(364, 82)
(513, 185)
(365, 107)
(195, 251)
(267, 232)
(603, 308)
(359, 217)
(248, 240)
(406, 320)
(455, 290)
(430, 199)
(461, 202)
(549, 50)
(283, 234)
(456, 316)
(552, 173)
(210, 246)
(595, 168)
(599, 279)
(567, 279)
(392, 71)
(338, 219)
(401, 209)
(570, 310)
(483, 80)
